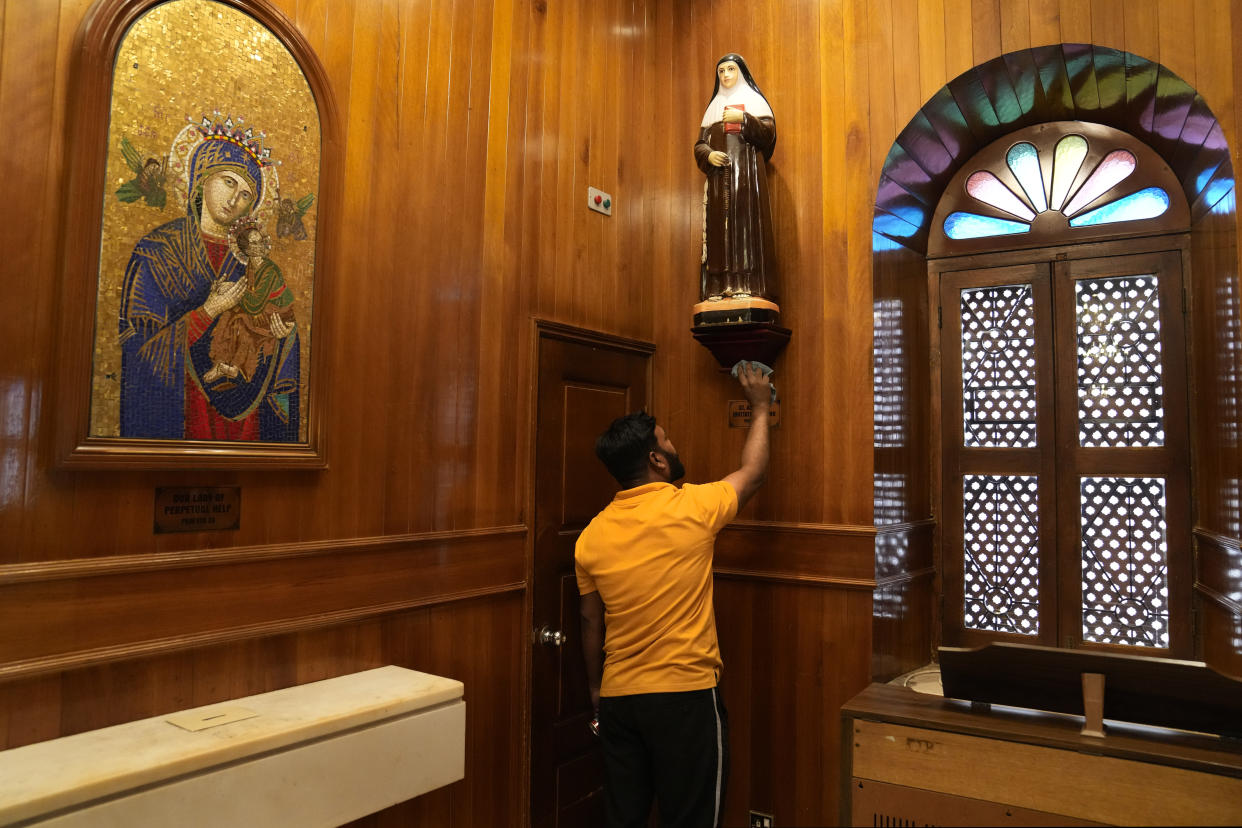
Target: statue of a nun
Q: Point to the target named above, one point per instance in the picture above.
(736, 137)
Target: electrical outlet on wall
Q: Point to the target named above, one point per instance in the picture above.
(760, 820)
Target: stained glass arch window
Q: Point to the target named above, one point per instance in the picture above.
(1057, 183)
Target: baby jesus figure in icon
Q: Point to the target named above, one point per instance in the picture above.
(254, 327)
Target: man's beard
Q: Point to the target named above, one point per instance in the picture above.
(676, 471)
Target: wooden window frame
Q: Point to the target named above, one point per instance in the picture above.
(1060, 617)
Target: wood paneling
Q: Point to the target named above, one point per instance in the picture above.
(902, 625)
(1218, 587)
(805, 58)
(471, 130)
(1222, 635)
(905, 612)
(793, 654)
(839, 555)
(1216, 371)
(60, 616)
(421, 437)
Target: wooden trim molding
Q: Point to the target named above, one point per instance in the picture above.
(116, 564)
(808, 553)
(1223, 601)
(905, 577)
(1232, 544)
(546, 328)
(78, 613)
(904, 549)
(1216, 564)
(44, 665)
(906, 527)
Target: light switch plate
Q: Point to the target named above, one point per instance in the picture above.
(599, 201)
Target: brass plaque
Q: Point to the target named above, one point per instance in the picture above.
(191, 509)
(740, 414)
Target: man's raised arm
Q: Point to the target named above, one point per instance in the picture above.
(754, 470)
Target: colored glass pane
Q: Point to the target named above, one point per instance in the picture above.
(1023, 160)
(1066, 160)
(1115, 168)
(1144, 204)
(974, 226)
(989, 189)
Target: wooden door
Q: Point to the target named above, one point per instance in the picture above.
(585, 381)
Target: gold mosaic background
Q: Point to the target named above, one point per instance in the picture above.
(191, 58)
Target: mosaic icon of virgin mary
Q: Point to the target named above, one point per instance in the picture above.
(185, 283)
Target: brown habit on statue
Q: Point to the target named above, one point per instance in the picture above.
(738, 231)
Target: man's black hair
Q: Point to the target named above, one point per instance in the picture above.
(624, 447)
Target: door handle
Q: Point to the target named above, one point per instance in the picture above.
(550, 637)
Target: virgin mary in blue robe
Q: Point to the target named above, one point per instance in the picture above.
(166, 333)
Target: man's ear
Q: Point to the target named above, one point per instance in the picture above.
(657, 461)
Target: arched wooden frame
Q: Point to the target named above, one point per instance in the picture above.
(98, 41)
(1051, 227)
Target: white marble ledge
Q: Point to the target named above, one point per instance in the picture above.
(63, 773)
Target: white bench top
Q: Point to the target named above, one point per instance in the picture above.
(48, 776)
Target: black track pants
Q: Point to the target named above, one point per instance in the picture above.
(673, 746)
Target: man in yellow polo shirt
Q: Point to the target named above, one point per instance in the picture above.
(644, 568)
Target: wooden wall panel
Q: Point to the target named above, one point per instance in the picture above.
(1216, 366)
(423, 431)
(1217, 370)
(60, 616)
(804, 58)
(901, 636)
(793, 654)
(839, 555)
(472, 128)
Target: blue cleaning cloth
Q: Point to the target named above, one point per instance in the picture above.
(767, 372)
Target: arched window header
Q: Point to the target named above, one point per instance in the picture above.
(1057, 183)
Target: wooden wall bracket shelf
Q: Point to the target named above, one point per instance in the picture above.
(761, 341)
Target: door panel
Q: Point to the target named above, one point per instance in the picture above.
(1000, 547)
(1125, 455)
(585, 381)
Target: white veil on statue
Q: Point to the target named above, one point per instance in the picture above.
(746, 93)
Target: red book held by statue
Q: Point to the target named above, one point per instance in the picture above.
(738, 126)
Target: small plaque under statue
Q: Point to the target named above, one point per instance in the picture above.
(737, 316)
(741, 414)
(197, 509)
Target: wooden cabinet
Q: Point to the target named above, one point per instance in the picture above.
(914, 759)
